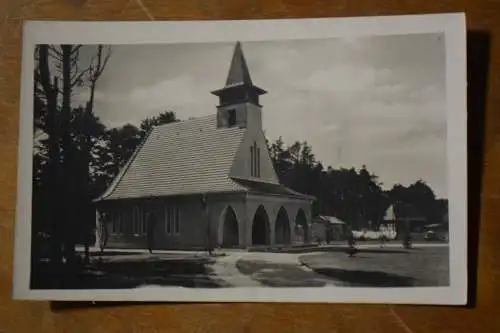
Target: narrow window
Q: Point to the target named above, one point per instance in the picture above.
(255, 160)
(177, 223)
(171, 216)
(231, 117)
(251, 162)
(113, 222)
(118, 219)
(167, 221)
(134, 221)
(137, 223)
(258, 162)
(144, 222)
(172, 223)
(139, 220)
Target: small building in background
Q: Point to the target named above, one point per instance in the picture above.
(327, 229)
(389, 221)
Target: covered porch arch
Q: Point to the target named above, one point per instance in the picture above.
(301, 227)
(261, 231)
(282, 228)
(230, 229)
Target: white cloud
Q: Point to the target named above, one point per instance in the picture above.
(339, 79)
(179, 91)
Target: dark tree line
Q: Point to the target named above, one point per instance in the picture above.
(354, 196)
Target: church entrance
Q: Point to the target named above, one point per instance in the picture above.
(230, 236)
(301, 227)
(260, 227)
(282, 230)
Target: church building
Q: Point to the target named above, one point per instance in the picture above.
(205, 182)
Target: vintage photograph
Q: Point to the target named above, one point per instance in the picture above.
(282, 164)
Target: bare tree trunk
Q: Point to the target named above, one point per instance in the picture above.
(68, 162)
(50, 90)
(86, 184)
(103, 232)
(94, 74)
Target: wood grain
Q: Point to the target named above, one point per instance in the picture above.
(482, 15)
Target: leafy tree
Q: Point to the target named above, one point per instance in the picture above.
(418, 194)
(150, 122)
(120, 145)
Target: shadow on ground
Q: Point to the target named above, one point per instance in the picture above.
(426, 267)
(278, 275)
(126, 274)
(367, 278)
(340, 249)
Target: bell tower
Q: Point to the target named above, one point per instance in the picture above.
(239, 98)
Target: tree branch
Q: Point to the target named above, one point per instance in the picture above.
(78, 78)
(76, 49)
(95, 73)
(56, 53)
(102, 65)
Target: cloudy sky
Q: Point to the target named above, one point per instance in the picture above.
(378, 101)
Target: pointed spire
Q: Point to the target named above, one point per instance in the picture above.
(238, 72)
(239, 87)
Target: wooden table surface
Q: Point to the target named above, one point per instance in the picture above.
(483, 19)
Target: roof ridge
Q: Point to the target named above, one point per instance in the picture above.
(259, 180)
(186, 120)
(250, 184)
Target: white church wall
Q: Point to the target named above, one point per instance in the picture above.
(242, 163)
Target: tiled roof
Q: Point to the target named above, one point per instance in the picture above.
(187, 157)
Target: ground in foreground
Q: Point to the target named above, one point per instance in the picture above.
(391, 267)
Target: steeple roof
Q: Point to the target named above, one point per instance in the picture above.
(238, 72)
(239, 75)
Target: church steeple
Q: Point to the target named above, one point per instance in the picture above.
(239, 98)
(239, 87)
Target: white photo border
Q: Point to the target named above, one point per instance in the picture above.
(452, 25)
